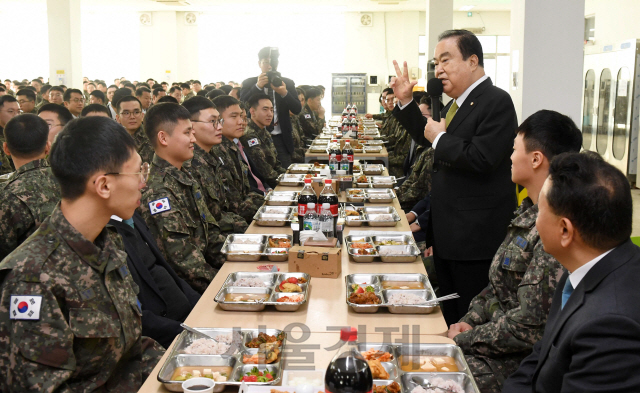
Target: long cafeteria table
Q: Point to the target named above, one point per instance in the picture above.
(382, 156)
(326, 309)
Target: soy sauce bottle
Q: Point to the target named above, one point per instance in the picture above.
(348, 371)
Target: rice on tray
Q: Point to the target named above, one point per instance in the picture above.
(405, 298)
(249, 282)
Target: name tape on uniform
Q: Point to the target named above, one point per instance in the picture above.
(159, 206)
(25, 307)
(253, 142)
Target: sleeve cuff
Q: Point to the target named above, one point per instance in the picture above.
(405, 105)
(435, 141)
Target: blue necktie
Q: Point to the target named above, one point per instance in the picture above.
(566, 291)
(129, 222)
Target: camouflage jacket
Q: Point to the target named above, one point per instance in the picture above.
(399, 151)
(235, 174)
(309, 123)
(6, 165)
(206, 170)
(28, 197)
(381, 116)
(186, 232)
(299, 144)
(77, 323)
(143, 145)
(259, 147)
(320, 122)
(418, 184)
(510, 314)
(390, 128)
(387, 125)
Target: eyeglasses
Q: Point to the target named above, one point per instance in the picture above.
(53, 125)
(128, 114)
(21, 102)
(219, 122)
(77, 100)
(144, 173)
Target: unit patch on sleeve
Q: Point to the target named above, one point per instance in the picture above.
(159, 206)
(253, 142)
(25, 307)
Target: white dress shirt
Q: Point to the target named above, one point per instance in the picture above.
(582, 271)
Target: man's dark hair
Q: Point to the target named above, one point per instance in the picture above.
(92, 84)
(163, 83)
(174, 88)
(64, 116)
(312, 92)
(7, 98)
(301, 91)
(63, 86)
(195, 104)
(163, 117)
(208, 88)
(320, 87)
(468, 43)
(266, 52)
(127, 99)
(67, 94)
(44, 89)
(26, 135)
(30, 94)
(185, 86)
(56, 88)
(86, 146)
(156, 86)
(2, 88)
(99, 95)
(120, 94)
(168, 99)
(142, 84)
(94, 108)
(426, 100)
(387, 90)
(594, 196)
(215, 93)
(196, 81)
(157, 91)
(417, 95)
(254, 100)
(224, 102)
(202, 93)
(102, 83)
(141, 90)
(226, 88)
(36, 80)
(551, 133)
(112, 86)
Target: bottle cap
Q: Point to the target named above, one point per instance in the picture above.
(332, 156)
(307, 181)
(311, 205)
(349, 334)
(326, 205)
(328, 181)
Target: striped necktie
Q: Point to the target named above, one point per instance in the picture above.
(451, 112)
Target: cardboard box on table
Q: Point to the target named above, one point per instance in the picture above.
(321, 262)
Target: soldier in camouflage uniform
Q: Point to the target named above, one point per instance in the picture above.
(69, 317)
(9, 108)
(129, 114)
(399, 151)
(31, 192)
(299, 144)
(173, 203)
(257, 142)
(311, 124)
(509, 316)
(418, 184)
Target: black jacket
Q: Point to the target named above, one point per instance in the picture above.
(472, 195)
(154, 305)
(593, 344)
(283, 105)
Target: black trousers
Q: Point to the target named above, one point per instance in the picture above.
(466, 278)
(283, 153)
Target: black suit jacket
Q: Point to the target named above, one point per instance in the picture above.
(283, 105)
(593, 344)
(154, 306)
(472, 196)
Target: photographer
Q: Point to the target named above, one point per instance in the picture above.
(285, 100)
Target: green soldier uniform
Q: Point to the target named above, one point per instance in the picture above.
(320, 122)
(191, 94)
(143, 145)
(69, 316)
(399, 151)
(381, 116)
(309, 123)
(259, 147)
(392, 132)
(206, 170)
(235, 172)
(186, 232)
(28, 197)
(6, 165)
(299, 146)
(387, 125)
(418, 184)
(509, 316)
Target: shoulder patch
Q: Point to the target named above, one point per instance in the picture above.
(307, 116)
(159, 206)
(25, 307)
(253, 142)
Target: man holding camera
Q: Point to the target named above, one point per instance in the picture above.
(285, 100)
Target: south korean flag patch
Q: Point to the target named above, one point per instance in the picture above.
(159, 206)
(307, 116)
(25, 307)
(253, 142)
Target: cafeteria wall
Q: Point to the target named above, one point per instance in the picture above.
(616, 20)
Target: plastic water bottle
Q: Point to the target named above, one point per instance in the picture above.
(344, 164)
(333, 164)
(310, 222)
(326, 220)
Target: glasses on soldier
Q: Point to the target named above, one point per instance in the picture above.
(219, 122)
(135, 113)
(144, 173)
(77, 100)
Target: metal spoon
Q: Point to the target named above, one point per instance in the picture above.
(428, 386)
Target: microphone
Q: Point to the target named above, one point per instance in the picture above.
(435, 89)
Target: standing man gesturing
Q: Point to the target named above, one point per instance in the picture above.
(472, 196)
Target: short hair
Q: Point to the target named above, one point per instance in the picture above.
(7, 98)
(94, 108)
(168, 99)
(387, 90)
(120, 94)
(202, 93)
(142, 90)
(254, 100)
(163, 116)
(56, 88)
(112, 87)
(64, 116)
(468, 43)
(142, 84)
(130, 86)
(99, 95)
(301, 91)
(185, 86)
(425, 100)
(67, 94)
(195, 104)
(215, 93)
(26, 135)
(2, 88)
(91, 83)
(36, 80)
(313, 93)
(266, 52)
(85, 146)
(226, 88)
(102, 83)
(196, 81)
(223, 102)
(127, 99)
(551, 133)
(320, 87)
(157, 91)
(174, 88)
(417, 95)
(156, 86)
(30, 94)
(208, 88)
(594, 196)
(163, 83)
(45, 88)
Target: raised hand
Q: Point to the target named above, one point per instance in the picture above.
(401, 85)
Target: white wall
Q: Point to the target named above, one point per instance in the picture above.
(494, 22)
(616, 20)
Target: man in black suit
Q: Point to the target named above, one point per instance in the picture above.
(166, 299)
(285, 100)
(592, 339)
(472, 195)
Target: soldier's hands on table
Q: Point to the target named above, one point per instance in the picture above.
(433, 128)
(262, 80)
(458, 328)
(401, 85)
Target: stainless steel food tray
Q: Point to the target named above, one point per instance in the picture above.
(372, 195)
(375, 280)
(233, 358)
(372, 216)
(281, 198)
(251, 248)
(383, 181)
(274, 216)
(271, 282)
(290, 180)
